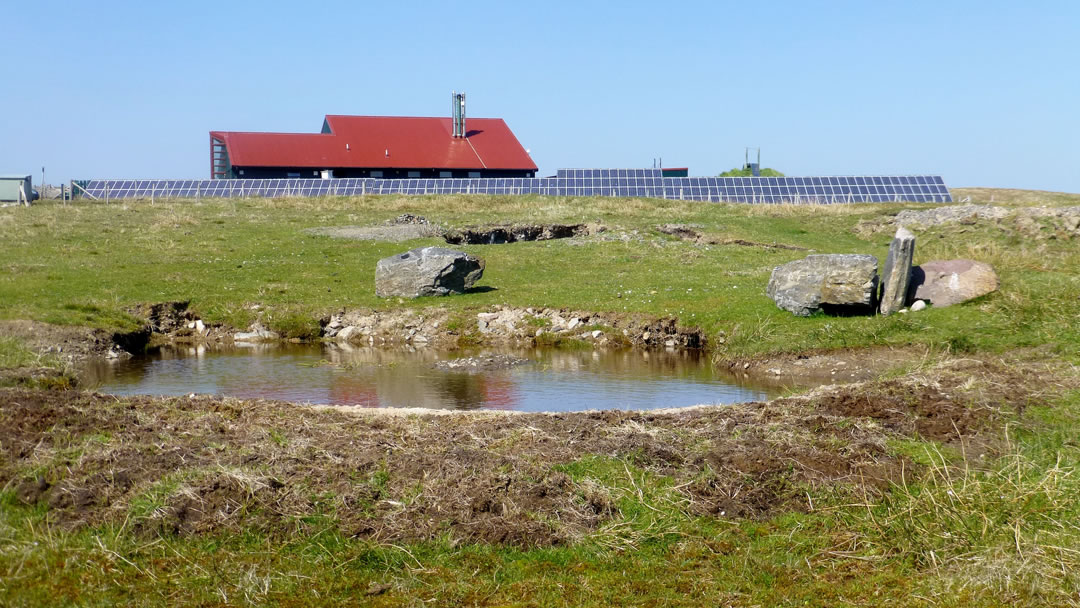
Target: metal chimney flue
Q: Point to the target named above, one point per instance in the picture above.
(457, 111)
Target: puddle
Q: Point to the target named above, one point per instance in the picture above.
(555, 380)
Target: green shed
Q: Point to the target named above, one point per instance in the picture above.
(15, 188)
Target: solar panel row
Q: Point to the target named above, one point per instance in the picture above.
(848, 189)
(576, 173)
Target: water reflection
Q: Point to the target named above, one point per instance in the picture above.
(557, 380)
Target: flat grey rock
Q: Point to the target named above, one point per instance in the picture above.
(836, 283)
(428, 271)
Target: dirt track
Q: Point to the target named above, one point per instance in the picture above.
(192, 466)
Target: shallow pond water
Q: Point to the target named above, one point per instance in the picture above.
(553, 380)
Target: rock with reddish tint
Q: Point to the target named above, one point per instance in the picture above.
(897, 274)
(835, 283)
(948, 282)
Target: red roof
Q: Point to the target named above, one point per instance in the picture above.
(382, 141)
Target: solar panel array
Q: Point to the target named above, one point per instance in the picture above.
(646, 183)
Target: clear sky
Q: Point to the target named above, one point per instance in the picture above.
(985, 93)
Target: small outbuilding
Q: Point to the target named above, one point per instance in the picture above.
(16, 189)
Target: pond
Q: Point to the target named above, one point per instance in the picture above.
(551, 380)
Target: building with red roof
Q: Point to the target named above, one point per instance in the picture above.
(375, 146)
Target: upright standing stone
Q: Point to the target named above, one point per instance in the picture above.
(430, 271)
(897, 274)
(838, 283)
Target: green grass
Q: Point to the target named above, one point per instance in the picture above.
(87, 264)
(13, 353)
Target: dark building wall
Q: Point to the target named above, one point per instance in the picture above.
(385, 173)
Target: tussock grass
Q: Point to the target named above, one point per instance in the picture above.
(1009, 527)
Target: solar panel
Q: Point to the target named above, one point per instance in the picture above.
(568, 182)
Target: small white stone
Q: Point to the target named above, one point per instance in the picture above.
(200, 326)
(574, 323)
(346, 333)
(597, 333)
(918, 305)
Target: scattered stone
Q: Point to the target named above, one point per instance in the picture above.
(597, 333)
(408, 219)
(948, 282)
(918, 305)
(835, 283)
(428, 271)
(496, 235)
(258, 333)
(346, 333)
(962, 214)
(474, 365)
(897, 274)
(505, 325)
(574, 323)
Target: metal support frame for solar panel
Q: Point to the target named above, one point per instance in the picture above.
(638, 183)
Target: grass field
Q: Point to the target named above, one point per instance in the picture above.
(87, 264)
(985, 517)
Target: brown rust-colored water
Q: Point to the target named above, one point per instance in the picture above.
(553, 380)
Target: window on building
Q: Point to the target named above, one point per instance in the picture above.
(474, 174)
(446, 174)
(291, 175)
(414, 174)
(376, 174)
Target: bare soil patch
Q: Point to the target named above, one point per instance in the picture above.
(66, 342)
(190, 466)
(690, 233)
(389, 234)
(814, 368)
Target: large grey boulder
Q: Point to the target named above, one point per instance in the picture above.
(836, 283)
(948, 282)
(897, 274)
(428, 271)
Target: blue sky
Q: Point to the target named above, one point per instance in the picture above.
(984, 93)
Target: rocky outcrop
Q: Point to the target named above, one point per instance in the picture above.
(428, 271)
(834, 283)
(948, 282)
(495, 235)
(897, 274)
(441, 328)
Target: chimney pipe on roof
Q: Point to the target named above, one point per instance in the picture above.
(457, 110)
